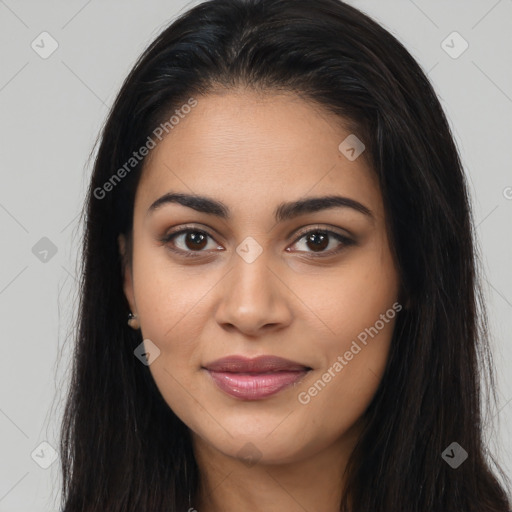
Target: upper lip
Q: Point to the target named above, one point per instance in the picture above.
(260, 364)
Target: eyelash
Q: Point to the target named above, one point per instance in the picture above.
(345, 241)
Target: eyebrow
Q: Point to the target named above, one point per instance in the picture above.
(283, 212)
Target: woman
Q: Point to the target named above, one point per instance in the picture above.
(278, 299)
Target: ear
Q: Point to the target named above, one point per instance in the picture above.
(127, 273)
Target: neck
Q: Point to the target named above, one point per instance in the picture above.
(309, 482)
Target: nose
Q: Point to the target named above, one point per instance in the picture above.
(253, 298)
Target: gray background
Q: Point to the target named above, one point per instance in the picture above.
(52, 110)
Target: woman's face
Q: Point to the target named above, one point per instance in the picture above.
(247, 280)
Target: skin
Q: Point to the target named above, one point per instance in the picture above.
(254, 151)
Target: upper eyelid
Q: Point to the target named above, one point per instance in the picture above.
(300, 232)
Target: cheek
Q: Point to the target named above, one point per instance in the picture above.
(339, 393)
(171, 303)
(358, 319)
(351, 298)
(170, 300)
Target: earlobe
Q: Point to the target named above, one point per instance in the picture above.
(126, 272)
(121, 243)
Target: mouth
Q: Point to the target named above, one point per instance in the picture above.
(257, 378)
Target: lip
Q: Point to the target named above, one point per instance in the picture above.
(260, 364)
(256, 378)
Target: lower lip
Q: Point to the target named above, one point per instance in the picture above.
(255, 386)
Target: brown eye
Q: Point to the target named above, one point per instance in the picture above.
(316, 241)
(186, 242)
(195, 240)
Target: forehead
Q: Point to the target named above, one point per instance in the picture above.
(250, 147)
